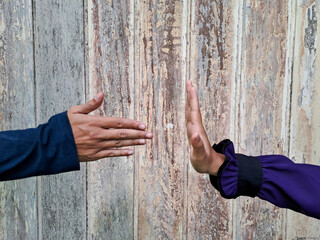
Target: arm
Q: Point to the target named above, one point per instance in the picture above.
(47, 149)
(66, 139)
(273, 178)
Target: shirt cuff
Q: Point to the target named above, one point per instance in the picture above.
(239, 175)
(68, 155)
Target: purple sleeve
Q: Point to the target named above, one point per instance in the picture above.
(273, 178)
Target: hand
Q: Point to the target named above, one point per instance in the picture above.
(203, 158)
(99, 137)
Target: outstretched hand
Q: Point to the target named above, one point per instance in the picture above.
(99, 137)
(203, 158)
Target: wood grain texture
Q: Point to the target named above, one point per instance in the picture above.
(305, 117)
(254, 64)
(211, 70)
(59, 72)
(110, 181)
(18, 212)
(159, 96)
(261, 89)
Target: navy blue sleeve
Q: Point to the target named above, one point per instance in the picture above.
(273, 178)
(48, 149)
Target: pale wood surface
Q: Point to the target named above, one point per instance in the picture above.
(110, 181)
(254, 64)
(18, 209)
(211, 59)
(159, 96)
(60, 81)
(261, 88)
(305, 116)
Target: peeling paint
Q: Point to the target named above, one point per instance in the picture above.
(305, 98)
(305, 107)
(239, 55)
(311, 29)
(169, 126)
(2, 24)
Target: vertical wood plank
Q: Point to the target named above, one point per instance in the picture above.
(110, 181)
(59, 72)
(211, 69)
(159, 96)
(18, 213)
(261, 105)
(305, 116)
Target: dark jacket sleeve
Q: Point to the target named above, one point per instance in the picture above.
(48, 149)
(273, 178)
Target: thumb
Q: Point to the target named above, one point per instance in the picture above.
(92, 105)
(197, 145)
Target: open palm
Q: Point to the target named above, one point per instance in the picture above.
(203, 158)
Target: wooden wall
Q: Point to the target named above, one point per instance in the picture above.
(255, 65)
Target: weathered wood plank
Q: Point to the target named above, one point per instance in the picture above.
(140, 57)
(59, 72)
(18, 212)
(211, 69)
(305, 114)
(159, 96)
(261, 87)
(110, 181)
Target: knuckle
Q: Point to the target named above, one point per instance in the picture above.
(119, 123)
(142, 134)
(118, 143)
(91, 104)
(109, 154)
(93, 135)
(122, 134)
(91, 121)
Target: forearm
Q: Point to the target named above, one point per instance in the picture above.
(47, 149)
(274, 178)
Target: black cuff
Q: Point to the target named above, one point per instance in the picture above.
(216, 180)
(249, 177)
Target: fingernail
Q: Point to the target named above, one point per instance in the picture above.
(149, 135)
(142, 126)
(98, 97)
(142, 141)
(130, 152)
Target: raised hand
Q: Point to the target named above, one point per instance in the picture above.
(203, 158)
(99, 137)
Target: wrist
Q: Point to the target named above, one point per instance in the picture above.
(217, 160)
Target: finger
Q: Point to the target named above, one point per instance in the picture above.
(195, 115)
(187, 104)
(90, 106)
(198, 148)
(122, 143)
(188, 85)
(122, 134)
(197, 129)
(114, 153)
(194, 101)
(115, 122)
(192, 130)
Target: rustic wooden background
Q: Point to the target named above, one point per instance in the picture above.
(255, 65)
